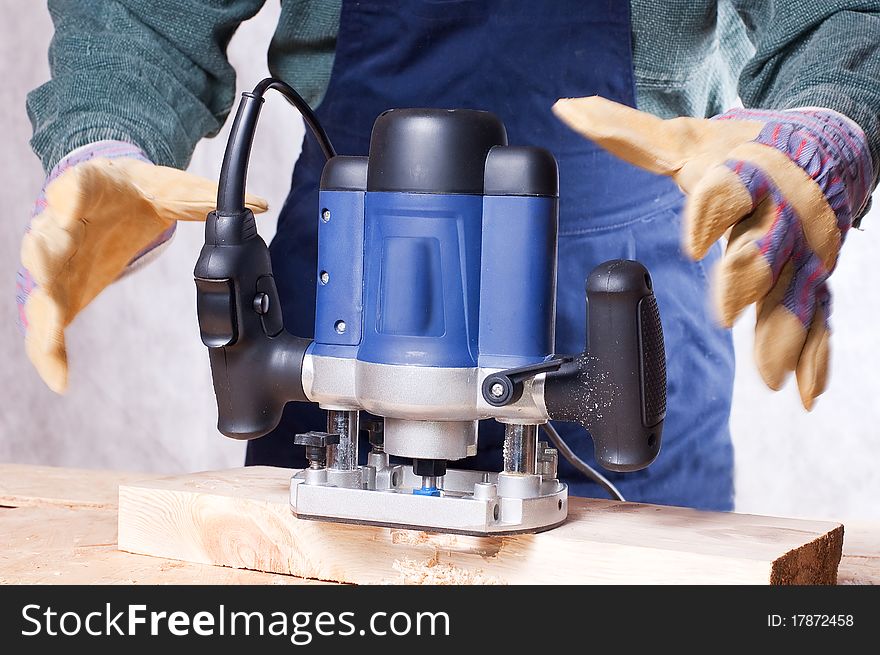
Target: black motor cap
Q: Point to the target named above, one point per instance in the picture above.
(521, 171)
(344, 173)
(432, 150)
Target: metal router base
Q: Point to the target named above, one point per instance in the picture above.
(470, 502)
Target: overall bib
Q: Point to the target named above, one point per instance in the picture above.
(515, 58)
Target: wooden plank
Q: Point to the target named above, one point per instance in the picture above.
(861, 553)
(58, 526)
(60, 545)
(23, 485)
(241, 518)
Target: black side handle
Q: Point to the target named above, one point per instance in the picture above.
(256, 365)
(616, 388)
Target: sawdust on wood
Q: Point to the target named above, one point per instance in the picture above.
(432, 571)
(452, 543)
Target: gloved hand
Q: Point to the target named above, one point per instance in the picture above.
(787, 184)
(103, 209)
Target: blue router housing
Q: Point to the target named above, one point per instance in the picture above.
(452, 266)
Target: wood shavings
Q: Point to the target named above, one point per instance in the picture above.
(431, 571)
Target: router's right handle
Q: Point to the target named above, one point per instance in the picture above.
(617, 387)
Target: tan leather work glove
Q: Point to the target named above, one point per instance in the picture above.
(102, 210)
(787, 185)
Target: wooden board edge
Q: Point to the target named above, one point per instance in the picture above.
(814, 563)
(18, 502)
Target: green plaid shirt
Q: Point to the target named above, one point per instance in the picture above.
(155, 73)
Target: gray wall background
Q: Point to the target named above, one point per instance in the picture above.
(140, 393)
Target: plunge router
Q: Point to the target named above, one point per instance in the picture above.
(435, 309)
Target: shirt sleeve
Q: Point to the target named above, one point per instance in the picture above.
(815, 53)
(153, 73)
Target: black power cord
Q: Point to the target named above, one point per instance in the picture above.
(580, 464)
(290, 94)
(233, 174)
